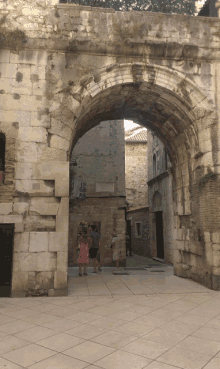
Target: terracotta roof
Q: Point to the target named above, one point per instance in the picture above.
(140, 136)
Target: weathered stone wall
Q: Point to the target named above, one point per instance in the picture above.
(65, 69)
(140, 245)
(136, 173)
(111, 217)
(160, 182)
(100, 158)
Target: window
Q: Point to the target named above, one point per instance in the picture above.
(138, 229)
(154, 165)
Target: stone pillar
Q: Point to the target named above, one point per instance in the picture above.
(40, 256)
(217, 5)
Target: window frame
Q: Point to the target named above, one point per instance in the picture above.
(136, 233)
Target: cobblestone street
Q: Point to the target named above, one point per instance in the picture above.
(146, 319)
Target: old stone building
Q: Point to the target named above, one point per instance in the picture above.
(98, 164)
(66, 68)
(160, 200)
(136, 174)
(136, 167)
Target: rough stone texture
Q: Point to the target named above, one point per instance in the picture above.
(160, 196)
(79, 67)
(136, 169)
(140, 245)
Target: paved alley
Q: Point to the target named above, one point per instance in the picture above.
(146, 319)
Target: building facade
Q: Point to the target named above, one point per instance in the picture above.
(97, 188)
(160, 200)
(136, 174)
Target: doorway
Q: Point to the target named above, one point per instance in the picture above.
(6, 252)
(159, 234)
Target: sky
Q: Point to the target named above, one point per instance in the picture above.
(128, 124)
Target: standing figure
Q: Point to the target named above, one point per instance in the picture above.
(116, 251)
(84, 244)
(95, 249)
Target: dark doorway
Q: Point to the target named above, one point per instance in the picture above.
(128, 239)
(159, 234)
(6, 252)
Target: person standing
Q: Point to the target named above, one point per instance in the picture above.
(116, 251)
(84, 244)
(128, 245)
(94, 249)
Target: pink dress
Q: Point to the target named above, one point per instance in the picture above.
(84, 251)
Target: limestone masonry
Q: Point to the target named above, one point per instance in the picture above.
(66, 68)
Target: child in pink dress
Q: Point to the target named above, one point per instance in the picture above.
(83, 248)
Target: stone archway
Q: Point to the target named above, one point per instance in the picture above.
(177, 111)
(161, 99)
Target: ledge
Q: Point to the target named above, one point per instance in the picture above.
(139, 208)
(83, 7)
(158, 178)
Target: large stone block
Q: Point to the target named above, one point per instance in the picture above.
(4, 56)
(40, 223)
(45, 208)
(35, 134)
(180, 245)
(40, 121)
(19, 281)
(64, 206)
(62, 223)
(21, 242)
(50, 154)
(38, 241)
(216, 237)
(19, 227)
(62, 261)
(37, 57)
(60, 280)
(27, 152)
(35, 262)
(207, 236)
(58, 241)
(11, 218)
(8, 70)
(59, 143)
(216, 246)
(180, 234)
(58, 171)
(5, 208)
(60, 129)
(34, 187)
(216, 259)
(23, 171)
(20, 207)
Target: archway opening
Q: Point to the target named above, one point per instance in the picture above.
(169, 105)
